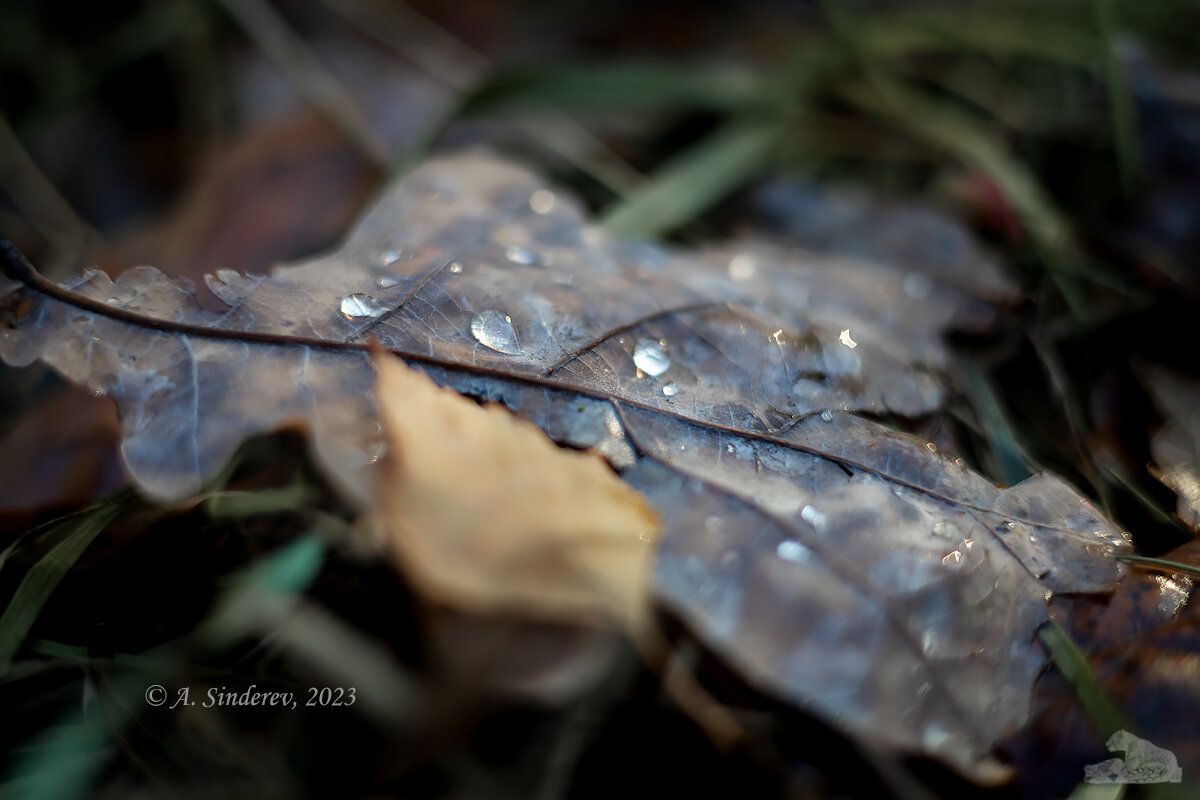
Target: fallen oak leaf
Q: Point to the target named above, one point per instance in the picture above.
(834, 563)
(486, 514)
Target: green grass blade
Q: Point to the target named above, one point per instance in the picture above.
(645, 85)
(1173, 566)
(264, 591)
(235, 504)
(1125, 482)
(1010, 465)
(62, 761)
(951, 29)
(696, 178)
(971, 143)
(41, 580)
(1105, 714)
(1098, 791)
(1120, 100)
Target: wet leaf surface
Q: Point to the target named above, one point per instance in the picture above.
(835, 563)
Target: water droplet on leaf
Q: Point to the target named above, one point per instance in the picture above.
(826, 416)
(650, 356)
(813, 517)
(361, 306)
(670, 390)
(520, 255)
(455, 267)
(542, 201)
(389, 257)
(793, 551)
(844, 338)
(742, 267)
(493, 329)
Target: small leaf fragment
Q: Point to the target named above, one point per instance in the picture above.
(484, 513)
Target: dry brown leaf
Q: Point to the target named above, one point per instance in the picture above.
(485, 514)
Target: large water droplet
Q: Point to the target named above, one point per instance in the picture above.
(521, 255)
(791, 550)
(650, 356)
(670, 390)
(935, 736)
(389, 257)
(742, 267)
(494, 329)
(542, 201)
(813, 517)
(361, 306)
(229, 285)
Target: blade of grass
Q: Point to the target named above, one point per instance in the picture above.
(232, 504)
(696, 178)
(1002, 441)
(347, 658)
(414, 36)
(1105, 714)
(1098, 791)
(621, 85)
(1030, 33)
(1059, 380)
(39, 583)
(972, 144)
(1124, 481)
(63, 761)
(271, 32)
(1173, 566)
(264, 600)
(1120, 100)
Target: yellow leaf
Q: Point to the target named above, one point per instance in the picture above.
(485, 514)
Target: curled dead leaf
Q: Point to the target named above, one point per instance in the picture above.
(484, 513)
